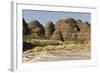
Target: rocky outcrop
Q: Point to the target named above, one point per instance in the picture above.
(67, 28)
(34, 33)
(49, 29)
(26, 30)
(57, 35)
(85, 30)
(64, 29)
(36, 28)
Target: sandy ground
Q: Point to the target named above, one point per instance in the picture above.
(56, 55)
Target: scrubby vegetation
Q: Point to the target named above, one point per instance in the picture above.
(47, 45)
(66, 35)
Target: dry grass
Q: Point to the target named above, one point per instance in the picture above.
(46, 50)
(61, 47)
(39, 42)
(57, 53)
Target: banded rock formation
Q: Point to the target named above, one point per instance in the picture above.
(68, 27)
(36, 28)
(63, 29)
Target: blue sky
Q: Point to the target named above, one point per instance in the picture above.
(44, 16)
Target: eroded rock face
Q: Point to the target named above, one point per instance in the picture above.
(49, 29)
(37, 29)
(26, 30)
(63, 29)
(57, 35)
(67, 27)
(85, 30)
(71, 21)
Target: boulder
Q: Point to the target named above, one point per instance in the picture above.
(67, 27)
(49, 29)
(37, 29)
(85, 30)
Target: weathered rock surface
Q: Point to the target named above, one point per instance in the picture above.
(36, 28)
(49, 29)
(26, 30)
(67, 27)
(85, 30)
(63, 29)
(57, 35)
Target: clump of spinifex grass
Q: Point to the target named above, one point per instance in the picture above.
(61, 47)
